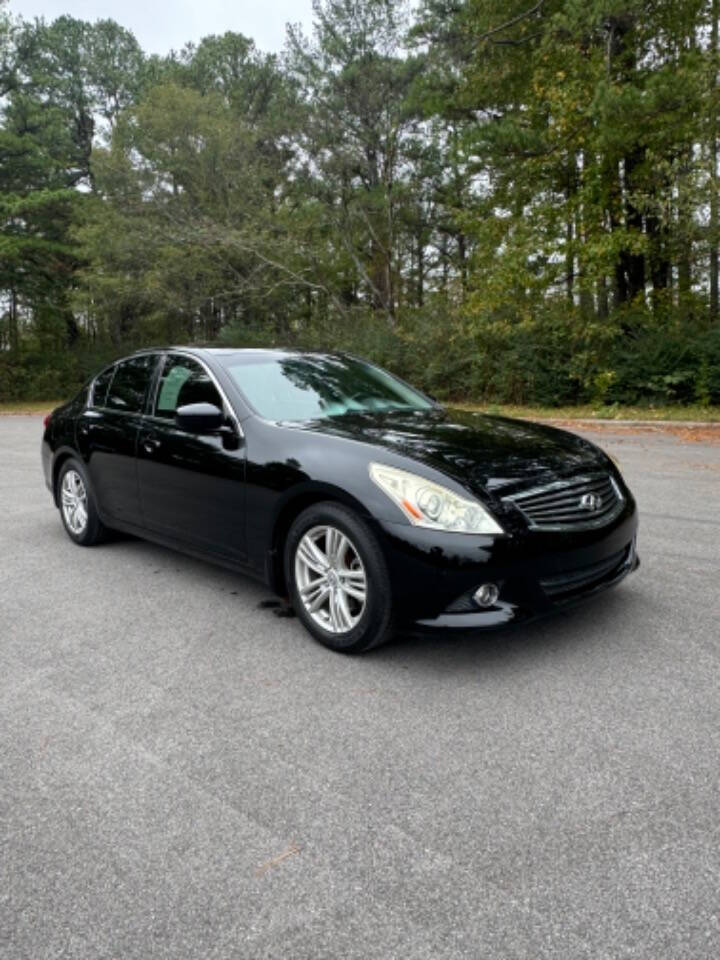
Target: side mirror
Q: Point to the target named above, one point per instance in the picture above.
(199, 418)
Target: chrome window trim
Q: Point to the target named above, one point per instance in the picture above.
(91, 394)
(91, 405)
(229, 409)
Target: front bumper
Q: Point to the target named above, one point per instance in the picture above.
(435, 574)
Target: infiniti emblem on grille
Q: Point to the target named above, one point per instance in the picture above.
(590, 501)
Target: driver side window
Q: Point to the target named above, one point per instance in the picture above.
(184, 381)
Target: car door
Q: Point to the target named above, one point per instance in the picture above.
(107, 433)
(192, 487)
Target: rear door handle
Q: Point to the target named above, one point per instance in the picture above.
(88, 419)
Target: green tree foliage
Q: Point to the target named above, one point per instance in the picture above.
(502, 199)
(587, 125)
(358, 125)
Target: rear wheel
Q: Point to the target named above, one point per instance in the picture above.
(77, 506)
(338, 579)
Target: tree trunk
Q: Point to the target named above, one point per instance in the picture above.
(714, 286)
(633, 264)
(660, 266)
(420, 286)
(462, 257)
(13, 329)
(587, 302)
(684, 274)
(714, 254)
(630, 268)
(684, 232)
(570, 228)
(444, 259)
(603, 305)
(569, 260)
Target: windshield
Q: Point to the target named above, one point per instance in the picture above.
(312, 387)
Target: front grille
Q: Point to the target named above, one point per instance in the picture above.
(573, 504)
(579, 579)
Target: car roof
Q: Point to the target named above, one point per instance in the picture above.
(240, 353)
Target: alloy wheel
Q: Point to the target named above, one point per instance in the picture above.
(73, 498)
(330, 579)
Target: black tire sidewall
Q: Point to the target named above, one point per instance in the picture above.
(94, 529)
(375, 624)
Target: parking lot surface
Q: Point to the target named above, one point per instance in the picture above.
(185, 775)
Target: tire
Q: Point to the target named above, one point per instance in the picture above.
(340, 620)
(78, 508)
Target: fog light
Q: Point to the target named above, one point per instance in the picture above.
(486, 595)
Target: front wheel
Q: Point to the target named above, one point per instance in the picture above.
(338, 579)
(77, 506)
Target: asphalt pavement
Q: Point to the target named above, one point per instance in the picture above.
(185, 775)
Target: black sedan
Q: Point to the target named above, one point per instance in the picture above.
(367, 504)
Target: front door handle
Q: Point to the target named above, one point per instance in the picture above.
(150, 444)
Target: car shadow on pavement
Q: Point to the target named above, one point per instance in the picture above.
(597, 620)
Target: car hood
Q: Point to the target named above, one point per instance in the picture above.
(480, 451)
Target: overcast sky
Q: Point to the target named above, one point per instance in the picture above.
(162, 25)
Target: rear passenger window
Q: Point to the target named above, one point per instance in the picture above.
(184, 381)
(130, 384)
(100, 387)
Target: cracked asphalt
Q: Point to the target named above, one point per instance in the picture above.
(185, 775)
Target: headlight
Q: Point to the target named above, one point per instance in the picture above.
(427, 504)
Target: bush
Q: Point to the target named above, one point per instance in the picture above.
(35, 375)
(667, 367)
(551, 358)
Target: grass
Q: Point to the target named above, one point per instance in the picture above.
(599, 412)
(31, 408)
(587, 412)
